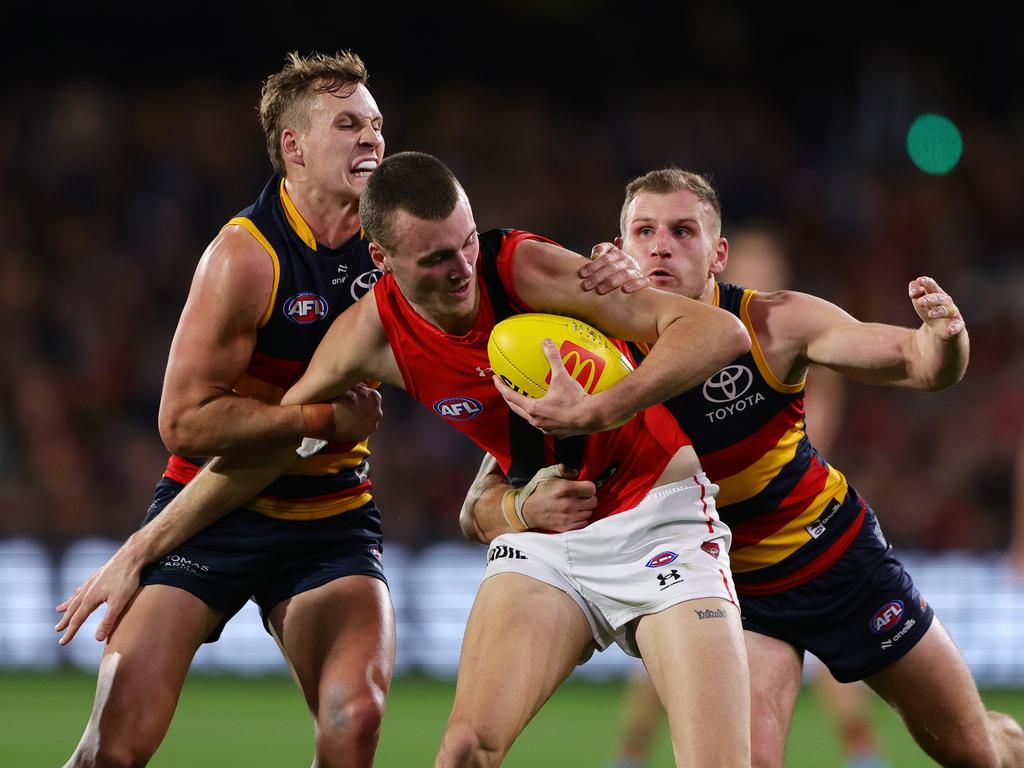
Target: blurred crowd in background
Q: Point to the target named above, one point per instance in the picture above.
(111, 187)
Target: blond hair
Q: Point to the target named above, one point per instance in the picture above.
(285, 98)
(665, 181)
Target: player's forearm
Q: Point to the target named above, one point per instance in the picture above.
(935, 363)
(685, 354)
(222, 485)
(228, 425)
(481, 517)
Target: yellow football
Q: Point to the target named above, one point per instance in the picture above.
(517, 357)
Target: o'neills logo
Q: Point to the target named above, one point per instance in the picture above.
(582, 364)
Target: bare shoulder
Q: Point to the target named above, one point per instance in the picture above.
(792, 313)
(236, 252)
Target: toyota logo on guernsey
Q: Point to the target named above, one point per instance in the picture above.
(729, 387)
(662, 558)
(728, 384)
(305, 308)
(364, 282)
(458, 408)
(887, 617)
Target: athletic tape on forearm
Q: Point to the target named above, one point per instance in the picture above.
(510, 510)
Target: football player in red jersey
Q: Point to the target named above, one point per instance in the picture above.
(812, 566)
(546, 602)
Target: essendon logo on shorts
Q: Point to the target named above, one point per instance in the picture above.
(458, 408)
(305, 308)
(887, 617)
(711, 548)
(662, 558)
(582, 364)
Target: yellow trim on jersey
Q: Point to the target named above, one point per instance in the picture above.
(295, 219)
(321, 465)
(777, 546)
(755, 350)
(252, 229)
(299, 509)
(751, 481)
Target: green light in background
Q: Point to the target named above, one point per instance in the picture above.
(934, 144)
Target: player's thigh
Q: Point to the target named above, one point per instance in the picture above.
(339, 638)
(146, 660)
(523, 638)
(775, 676)
(695, 654)
(933, 691)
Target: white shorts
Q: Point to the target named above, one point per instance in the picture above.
(669, 549)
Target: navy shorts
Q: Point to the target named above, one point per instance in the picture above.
(248, 555)
(858, 617)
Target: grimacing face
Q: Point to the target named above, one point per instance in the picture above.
(675, 239)
(434, 264)
(344, 142)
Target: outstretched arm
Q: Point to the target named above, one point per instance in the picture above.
(353, 349)
(931, 357)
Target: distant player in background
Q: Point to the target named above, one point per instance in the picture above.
(809, 559)
(757, 258)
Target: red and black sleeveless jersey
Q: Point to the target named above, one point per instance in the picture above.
(313, 284)
(790, 512)
(450, 375)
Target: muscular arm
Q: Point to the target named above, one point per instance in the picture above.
(693, 340)
(213, 344)
(353, 350)
(799, 329)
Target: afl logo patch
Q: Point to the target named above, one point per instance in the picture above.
(305, 308)
(711, 548)
(887, 617)
(728, 384)
(662, 558)
(458, 408)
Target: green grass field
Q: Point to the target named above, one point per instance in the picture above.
(231, 721)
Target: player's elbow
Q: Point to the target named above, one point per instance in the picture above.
(733, 338)
(179, 434)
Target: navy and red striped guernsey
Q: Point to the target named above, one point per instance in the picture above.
(450, 375)
(791, 513)
(313, 284)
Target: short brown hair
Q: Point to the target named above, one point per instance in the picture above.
(414, 182)
(285, 97)
(665, 181)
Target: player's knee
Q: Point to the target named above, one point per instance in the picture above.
(1008, 738)
(349, 726)
(464, 744)
(767, 738)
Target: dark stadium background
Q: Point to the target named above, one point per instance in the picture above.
(127, 141)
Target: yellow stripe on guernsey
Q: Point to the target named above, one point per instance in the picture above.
(295, 219)
(284, 509)
(756, 351)
(787, 540)
(252, 229)
(755, 478)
